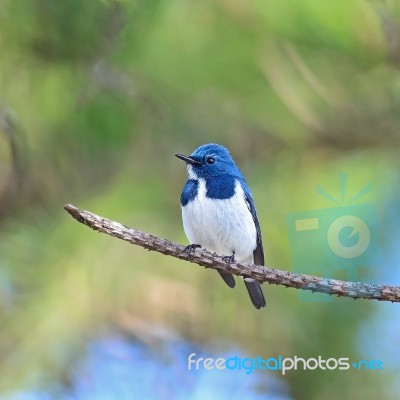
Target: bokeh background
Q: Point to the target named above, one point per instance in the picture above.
(96, 98)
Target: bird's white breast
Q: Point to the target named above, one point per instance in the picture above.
(224, 226)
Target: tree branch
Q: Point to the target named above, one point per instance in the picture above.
(355, 290)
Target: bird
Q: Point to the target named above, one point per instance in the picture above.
(219, 214)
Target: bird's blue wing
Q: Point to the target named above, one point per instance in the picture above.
(258, 253)
(189, 191)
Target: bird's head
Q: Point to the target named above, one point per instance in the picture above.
(210, 160)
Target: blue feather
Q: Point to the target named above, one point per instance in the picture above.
(189, 192)
(220, 187)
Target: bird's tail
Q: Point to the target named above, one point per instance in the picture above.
(255, 292)
(228, 278)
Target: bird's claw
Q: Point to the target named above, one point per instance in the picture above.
(191, 249)
(229, 259)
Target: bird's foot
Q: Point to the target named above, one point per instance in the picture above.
(191, 249)
(229, 260)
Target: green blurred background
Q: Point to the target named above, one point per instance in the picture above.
(97, 97)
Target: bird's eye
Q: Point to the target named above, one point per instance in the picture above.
(210, 160)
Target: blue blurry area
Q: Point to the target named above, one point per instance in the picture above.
(379, 336)
(119, 368)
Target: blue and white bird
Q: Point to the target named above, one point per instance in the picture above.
(219, 214)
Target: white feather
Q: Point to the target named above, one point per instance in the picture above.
(224, 226)
(191, 173)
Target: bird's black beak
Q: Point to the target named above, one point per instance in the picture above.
(188, 160)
